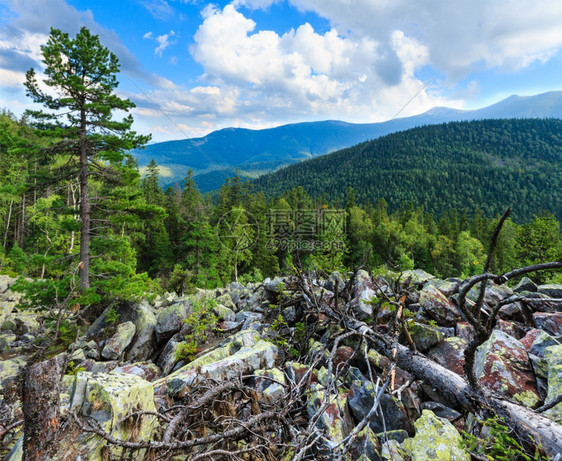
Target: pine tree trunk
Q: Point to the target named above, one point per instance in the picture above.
(8, 223)
(84, 207)
(41, 396)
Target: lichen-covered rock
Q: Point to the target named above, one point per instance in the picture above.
(365, 446)
(417, 276)
(424, 336)
(493, 294)
(502, 364)
(552, 290)
(553, 356)
(270, 383)
(361, 399)
(6, 340)
(226, 301)
(444, 286)
(116, 345)
(536, 341)
(450, 354)
(16, 453)
(244, 352)
(549, 322)
(436, 439)
(224, 313)
(108, 399)
(391, 450)
(21, 323)
(438, 307)
(170, 355)
(10, 369)
(335, 419)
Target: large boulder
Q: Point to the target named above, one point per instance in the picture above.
(436, 439)
(502, 364)
(108, 399)
(552, 290)
(549, 322)
(335, 420)
(438, 307)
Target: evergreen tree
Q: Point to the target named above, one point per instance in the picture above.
(82, 73)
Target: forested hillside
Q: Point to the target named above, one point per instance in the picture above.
(487, 164)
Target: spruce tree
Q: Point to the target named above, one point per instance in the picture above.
(82, 74)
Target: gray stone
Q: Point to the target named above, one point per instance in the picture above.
(553, 355)
(361, 398)
(170, 320)
(526, 284)
(424, 336)
(417, 276)
(116, 345)
(438, 307)
(441, 411)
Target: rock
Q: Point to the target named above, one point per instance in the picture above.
(297, 372)
(444, 286)
(6, 340)
(361, 398)
(170, 355)
(526, 284)
(536, 341)
(450, 354)
(442, 411)
(553, 355)
(224, 313)
(335, 419)
(22, 323)
(549, 322)
(364, 292)
(493, 294)
(116, 345)
(16, 453)
(552, 290)
(365, 446)
(243, 353)
(424, 336)
(436, 438)
(272, 389)
(510, 328)
(146, 370)
(226, 301)
(502, 364)
(465, 331)
(170, 320)
(108, 398)
(392, 450)
(141, 315)
(417, 276)
(10, 370)
(438, 307)
(99, 367)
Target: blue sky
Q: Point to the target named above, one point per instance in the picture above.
(192, 66)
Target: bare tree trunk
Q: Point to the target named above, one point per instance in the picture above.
(8, 223)
(41, 396)
(84, 207)
(72, 199)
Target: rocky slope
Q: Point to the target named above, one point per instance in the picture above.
(288, 369)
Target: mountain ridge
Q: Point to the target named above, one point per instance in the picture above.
(251, 152)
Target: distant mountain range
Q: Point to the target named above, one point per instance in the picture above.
(252, 153)
(486, 164)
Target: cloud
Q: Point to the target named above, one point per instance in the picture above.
(163, 42)
(302, 73)
(159, 9)
(29, 26)
(460, 36)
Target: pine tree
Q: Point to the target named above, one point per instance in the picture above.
(82, 73)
